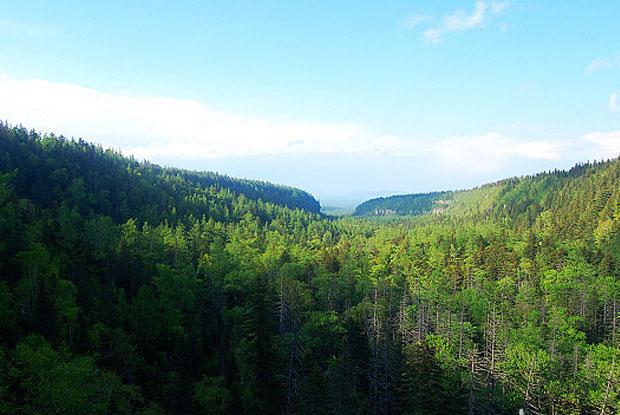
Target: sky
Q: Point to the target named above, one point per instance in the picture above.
(345, 99)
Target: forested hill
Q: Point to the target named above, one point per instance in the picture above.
(47, 166)
(414, 204)
(126, 288)
(573, 193)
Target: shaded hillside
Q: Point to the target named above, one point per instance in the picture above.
(414, 204)
(46, 166)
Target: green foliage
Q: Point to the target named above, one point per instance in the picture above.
(53, 169)
(212, 396)
(129, 288)
(416, 204)
(52, 383)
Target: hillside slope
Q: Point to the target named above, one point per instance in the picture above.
(576, 193)
(122, 187)
(414, 204)
(127, 288)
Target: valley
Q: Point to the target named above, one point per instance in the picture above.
(126, 287)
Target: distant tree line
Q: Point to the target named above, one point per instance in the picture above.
(413, 204)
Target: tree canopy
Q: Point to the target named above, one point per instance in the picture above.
(130, 288)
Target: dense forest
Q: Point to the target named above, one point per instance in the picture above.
(126, 287)
(414, 204)
(120, 187)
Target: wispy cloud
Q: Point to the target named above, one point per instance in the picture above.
(163, 129)
(613, 103)
(461, 20)
(434, 35)
(600, 64)
(597, 65)
(414, 20)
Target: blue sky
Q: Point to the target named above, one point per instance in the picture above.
(345, 99)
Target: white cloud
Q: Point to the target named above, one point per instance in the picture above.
(600, 64)
(607, 143)
(597, 65)
(433, 35)
(164, 129)
(154, 127)
(489, 152)
(613, 105)
(460, 20)
(414, 20)
(499, 6)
